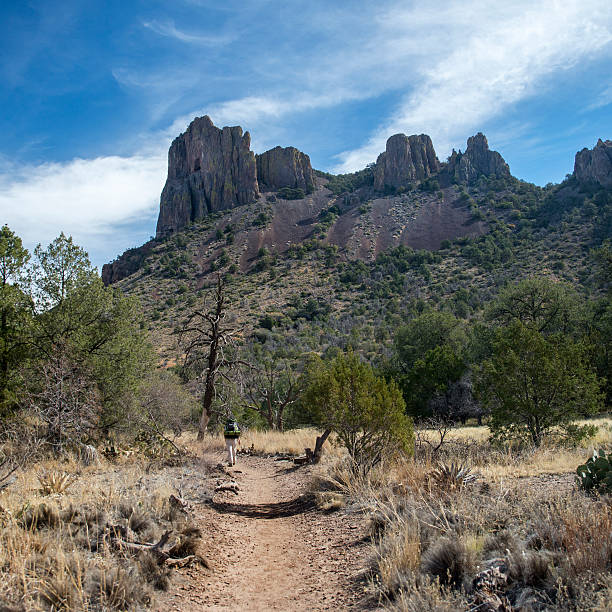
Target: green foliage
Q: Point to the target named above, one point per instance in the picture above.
(365, 412)
(428, 354)
(535, 383)
(426, 332)
(430, 185)
(540, 303)
(15, 315)
(490, 250)
(58, 270)
(596, 473)
(261, 220)
(291, 193)
(311, 309)
(429, 376)
(341, 183)
(96, 327)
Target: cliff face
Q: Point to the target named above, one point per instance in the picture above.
(595, 165)
(209, 169)
(285, 167)
(125, 265)
(477, 160)
(406, 159)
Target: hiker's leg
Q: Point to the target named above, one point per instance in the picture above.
(230, 448)
(235, 448)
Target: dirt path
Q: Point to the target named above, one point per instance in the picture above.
(269, 548)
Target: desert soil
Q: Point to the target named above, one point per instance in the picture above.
(269, 548)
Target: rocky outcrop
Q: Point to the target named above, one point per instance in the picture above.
(209, 169)
(477, 160)
(406, 159)
(126, 264)
(284, 167)
(595, 165)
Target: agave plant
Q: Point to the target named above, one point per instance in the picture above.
(54, 482)
(453, 476)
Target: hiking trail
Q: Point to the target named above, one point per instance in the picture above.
(270, 548)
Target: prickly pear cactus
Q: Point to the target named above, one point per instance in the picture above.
(596, 473)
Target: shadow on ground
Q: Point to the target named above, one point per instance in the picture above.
(299, 505)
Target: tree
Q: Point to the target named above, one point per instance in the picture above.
(366, 413)
(270, 389)
(206, 339)
(539, 303)
(95, 328)
(59, 269)
(65, 399)
(424, 333)
(429, 356)
(533, 384)
(15, 314)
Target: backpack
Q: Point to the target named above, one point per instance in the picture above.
(231, 430)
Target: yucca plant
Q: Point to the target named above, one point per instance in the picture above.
(453, 476)
(54, 481)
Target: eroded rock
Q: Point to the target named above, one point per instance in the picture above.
(209, 169)
(477, 160)
(595, 165)
(285, 167)
(405, 160)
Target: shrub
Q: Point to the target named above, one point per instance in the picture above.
(289, 193)
(365, 412)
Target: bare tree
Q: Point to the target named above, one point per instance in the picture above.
(270, 390)
(64, 399)
(206, 338)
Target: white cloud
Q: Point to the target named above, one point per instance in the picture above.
(169, 29)
(603, 99)
(85, 198)
(491, 59)
(455, 67)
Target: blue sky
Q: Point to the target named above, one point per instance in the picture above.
(92, 93)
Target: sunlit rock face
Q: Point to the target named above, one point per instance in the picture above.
(209, 169)
(406, 159)
(595, 165)
(285, 167)
(477, 160)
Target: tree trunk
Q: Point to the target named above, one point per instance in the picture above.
(314, 457)
(209, 391)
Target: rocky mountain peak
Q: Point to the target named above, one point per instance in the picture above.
(477, 160)
(595, 165)
(285, 167)
(405, 160)
(209, 169)
(212, 169)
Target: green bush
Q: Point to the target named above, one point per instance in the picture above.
(365, 412)
(289, 193)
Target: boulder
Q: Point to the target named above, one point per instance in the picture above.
(406, 159)
(209, 169)
(284, 167)
(595, 165)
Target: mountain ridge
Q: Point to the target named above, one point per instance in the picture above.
(410, 197)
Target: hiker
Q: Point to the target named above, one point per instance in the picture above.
(232, 435)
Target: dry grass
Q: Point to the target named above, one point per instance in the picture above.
(56, 550)
(523, 517)
(291, 442)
